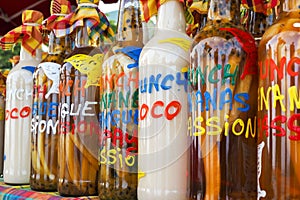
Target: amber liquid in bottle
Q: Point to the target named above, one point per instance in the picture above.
(118, 172)
(222, 105)
(278, 107)
(79, 126)
(44, 136)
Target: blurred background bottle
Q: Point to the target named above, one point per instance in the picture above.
(278, 106)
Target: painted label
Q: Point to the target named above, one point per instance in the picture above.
(89, 65)
(51, 70)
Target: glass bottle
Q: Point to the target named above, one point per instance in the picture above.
(44, 124)
(119, 108)
(18, 109)
(222, 107)
(162, 140)
(79, 124)
(278, 106)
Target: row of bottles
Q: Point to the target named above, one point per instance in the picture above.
(171, 118)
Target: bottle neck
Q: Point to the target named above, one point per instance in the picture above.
(59, 45)
(228, 10)
(26, 56)
(257, 23)
(171, 16)
(82, 38)
(290, 5)
(129, 22)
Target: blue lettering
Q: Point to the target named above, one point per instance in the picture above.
(52, 108)
(209, 100)
(238, 99)
(180, 81)
(223, 96)
(167, 78)
(154, 82)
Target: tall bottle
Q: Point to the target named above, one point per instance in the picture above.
(222, 106)
(19, 96)
(119, 108)
(278, 106)
(44, 124)
(162, 139)
(79, 98)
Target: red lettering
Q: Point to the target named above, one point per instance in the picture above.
(279, 69)
(144, 109)
(281, 131)
(81, 127)
(290, 66)
(133, 79)
(174, 104)
(64, 88)
(156, 104)
(118, 135)
(119, 83)
(261, 68)
(25, 111)
(79, 87)
(108, 80)
(264, 125)
(6, 114)
(294, 128)
(11, 113)
(133, 141)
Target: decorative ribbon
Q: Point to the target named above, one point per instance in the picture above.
(261, 6)
(150, 8)
(85, 15)
(58, 10)
(29, 33)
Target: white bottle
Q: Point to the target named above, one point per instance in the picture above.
(19, 87)
(163, 140)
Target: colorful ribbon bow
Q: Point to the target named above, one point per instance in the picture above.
(89, 15)
(150, 8)
(261, 6)
(29, 32)
(58, 10)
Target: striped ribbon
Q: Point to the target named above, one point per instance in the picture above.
(85, 15)
(29, 33)
(58, 10)
(150, 8)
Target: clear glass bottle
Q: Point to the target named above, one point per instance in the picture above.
(79, 124)
(162, 140)
(18, 109)
(44, 124)
(119, 108)
(278, 106)
(222, 107)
